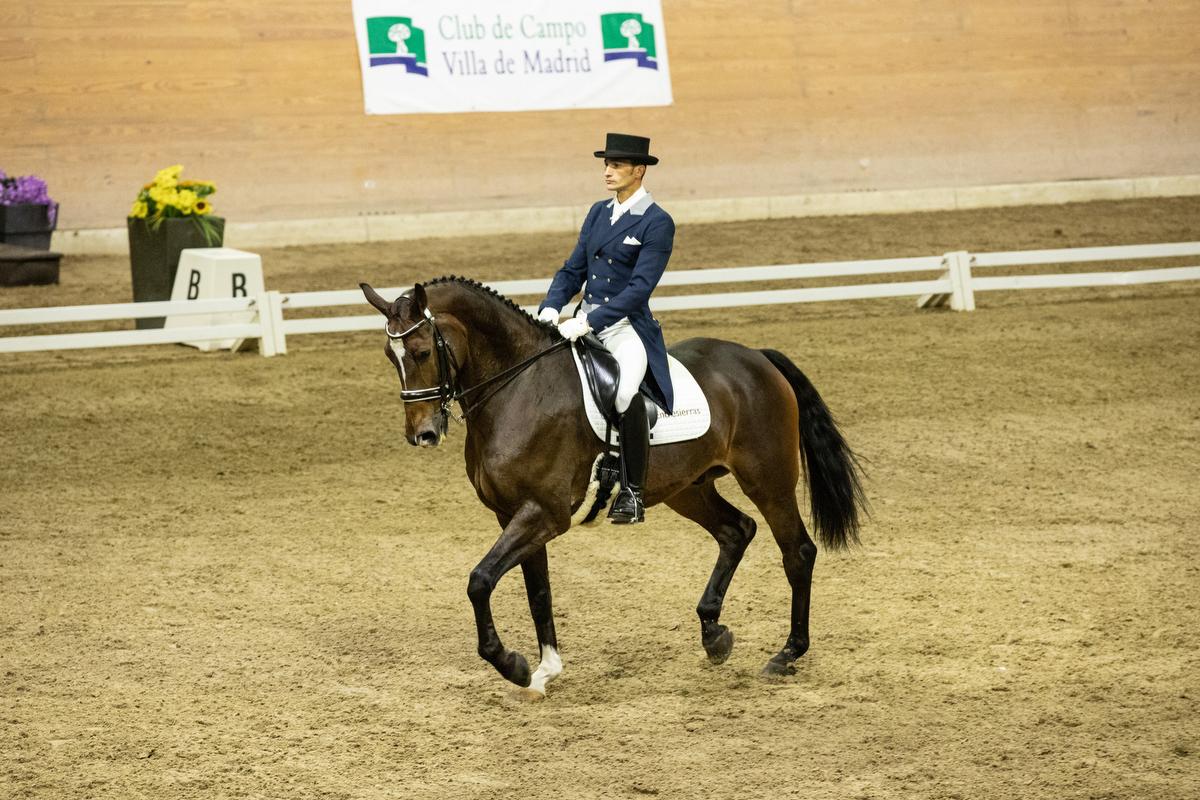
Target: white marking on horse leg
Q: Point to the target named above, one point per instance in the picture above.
(548, 670)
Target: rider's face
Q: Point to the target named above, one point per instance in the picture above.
(622, 177)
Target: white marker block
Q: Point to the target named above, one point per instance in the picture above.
(211, 273)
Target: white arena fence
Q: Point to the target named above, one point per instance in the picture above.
(956, 285)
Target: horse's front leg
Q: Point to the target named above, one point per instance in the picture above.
(537, 587)
(524, 537)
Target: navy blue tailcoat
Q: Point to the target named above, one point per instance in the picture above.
(617, 266)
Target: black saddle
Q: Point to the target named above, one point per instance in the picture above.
(603, 374)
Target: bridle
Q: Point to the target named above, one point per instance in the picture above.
(448, 390)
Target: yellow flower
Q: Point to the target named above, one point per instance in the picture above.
(169, 177)
(159, 194)
(168, 196)
(185, 200)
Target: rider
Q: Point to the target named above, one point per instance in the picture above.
(623, 249)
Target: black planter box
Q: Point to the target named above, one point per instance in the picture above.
(154, 256)
(27, 266)
(26, 225)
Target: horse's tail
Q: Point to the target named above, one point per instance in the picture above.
(834, 484)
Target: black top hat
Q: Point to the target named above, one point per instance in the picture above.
(626, 147)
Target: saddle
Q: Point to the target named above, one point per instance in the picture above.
(603, 374)
(599, 374)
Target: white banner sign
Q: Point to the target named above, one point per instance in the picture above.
(449, 56)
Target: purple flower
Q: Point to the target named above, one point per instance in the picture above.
(26, 189)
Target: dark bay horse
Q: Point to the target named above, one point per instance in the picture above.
(530, 453)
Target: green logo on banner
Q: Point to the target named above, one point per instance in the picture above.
(395, 40)
(628, 36)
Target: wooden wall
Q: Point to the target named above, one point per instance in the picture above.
(771, 98)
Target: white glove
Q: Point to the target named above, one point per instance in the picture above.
(548, 315)
(574, 328)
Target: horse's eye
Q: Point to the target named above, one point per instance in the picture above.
(421, 355)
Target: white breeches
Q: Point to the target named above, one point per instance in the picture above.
(622, 341)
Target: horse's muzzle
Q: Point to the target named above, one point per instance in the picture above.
(426, 438)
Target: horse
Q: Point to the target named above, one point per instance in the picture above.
(530, 454)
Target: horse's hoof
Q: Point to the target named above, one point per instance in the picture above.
(549, 669)
(775, 670)
(515, 668)
(530, 694)
(720, 647)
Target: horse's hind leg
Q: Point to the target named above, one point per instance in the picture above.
(775, 496)
(733, 531)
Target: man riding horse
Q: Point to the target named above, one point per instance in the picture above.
(623, 249)
(532, 461)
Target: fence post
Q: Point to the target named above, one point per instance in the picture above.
(277, 301)
(266, 327)
(963, 296)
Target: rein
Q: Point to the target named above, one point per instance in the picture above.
(448, 391)
(507, 375)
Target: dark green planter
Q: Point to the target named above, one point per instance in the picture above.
(25, 266)
(154, 256)
(26, 225)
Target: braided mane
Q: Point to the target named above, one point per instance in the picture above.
(476, 285)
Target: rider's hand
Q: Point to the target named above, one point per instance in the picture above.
(548, 315)
(574, 328)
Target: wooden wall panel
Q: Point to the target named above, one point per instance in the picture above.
(774, 97)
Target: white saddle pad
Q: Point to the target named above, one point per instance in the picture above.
(690, 420)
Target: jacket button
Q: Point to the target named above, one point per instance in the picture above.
(610, 261)
(597, 258)
(606, 299)
(594, 275)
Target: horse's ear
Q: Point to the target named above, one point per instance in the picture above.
(419, 301)
(374, 299)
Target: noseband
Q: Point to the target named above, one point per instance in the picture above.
(448, 390)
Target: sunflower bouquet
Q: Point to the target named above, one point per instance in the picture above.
(168, 197)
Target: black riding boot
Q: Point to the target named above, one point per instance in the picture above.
(635, 452)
